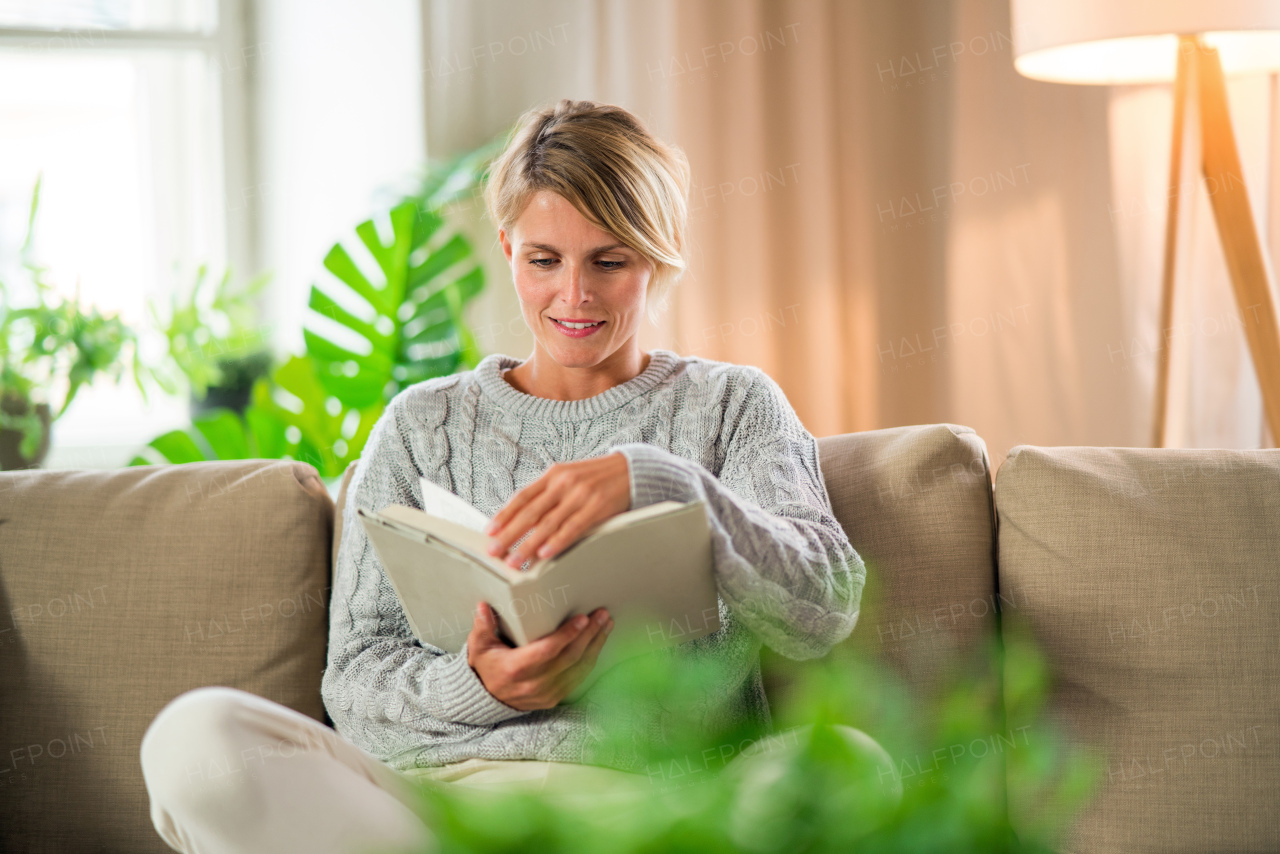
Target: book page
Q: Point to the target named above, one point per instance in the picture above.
(443, 504)
(451, 535)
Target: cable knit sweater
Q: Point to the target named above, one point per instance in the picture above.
(690, 429)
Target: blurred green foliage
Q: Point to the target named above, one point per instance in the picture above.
(207, 336)
(817, 784)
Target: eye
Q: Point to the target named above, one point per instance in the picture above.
(613, 265)
(538, 262)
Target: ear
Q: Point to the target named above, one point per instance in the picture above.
(506, 244)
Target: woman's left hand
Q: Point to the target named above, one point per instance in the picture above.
(560, 506)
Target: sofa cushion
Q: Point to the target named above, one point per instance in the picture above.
(120, 590)
(916, 504)
(1150, 578)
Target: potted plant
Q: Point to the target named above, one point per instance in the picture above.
(215, 342)
(49, 342)
(319, 406)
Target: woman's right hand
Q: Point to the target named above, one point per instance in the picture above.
(537, 675)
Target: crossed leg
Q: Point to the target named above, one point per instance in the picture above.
(229, 771)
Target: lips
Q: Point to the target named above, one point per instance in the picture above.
(577, 327)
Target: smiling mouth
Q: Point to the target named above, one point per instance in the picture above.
(568, 324)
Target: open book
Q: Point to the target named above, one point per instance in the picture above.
(650, 567)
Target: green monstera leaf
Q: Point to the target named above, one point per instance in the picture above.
(319, 428)
(219, 434)
(291, 416)
(402, 323)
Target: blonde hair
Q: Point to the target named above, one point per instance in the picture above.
(602, 160)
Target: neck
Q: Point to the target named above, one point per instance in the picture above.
(542, 376)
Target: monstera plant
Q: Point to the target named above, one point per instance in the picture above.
(412, 328)
(374, 330)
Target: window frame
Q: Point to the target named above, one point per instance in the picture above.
(229, 45)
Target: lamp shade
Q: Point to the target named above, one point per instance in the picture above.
(1136, 41)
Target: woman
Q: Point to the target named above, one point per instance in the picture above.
(591, 214)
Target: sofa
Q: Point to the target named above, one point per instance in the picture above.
(1150, 578)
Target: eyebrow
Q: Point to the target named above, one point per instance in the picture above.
(548, 248)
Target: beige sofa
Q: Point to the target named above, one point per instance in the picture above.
(1151, 578)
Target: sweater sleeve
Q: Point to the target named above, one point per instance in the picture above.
(783, 564)
(385, 691)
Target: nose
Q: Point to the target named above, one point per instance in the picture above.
(574, 291)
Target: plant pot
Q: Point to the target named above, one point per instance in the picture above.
(238, 376)
(11, 458)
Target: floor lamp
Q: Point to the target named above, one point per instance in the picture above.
(1194, 43)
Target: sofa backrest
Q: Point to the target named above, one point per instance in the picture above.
(120, 590)
(916, 504)
(1150, 579)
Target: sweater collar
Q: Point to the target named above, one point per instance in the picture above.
(662, 363)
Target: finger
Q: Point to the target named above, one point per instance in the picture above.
(544, 649)
(484, 629)
(548, 526)
(574, 652)
(568, 531)
(518, 524)
(511, 526)
(515, 502)
(592, 652)
(572, 677)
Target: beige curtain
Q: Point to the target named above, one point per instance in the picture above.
(887, 218)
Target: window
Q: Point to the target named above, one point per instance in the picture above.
(133, 112)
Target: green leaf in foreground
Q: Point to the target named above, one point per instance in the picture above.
(872, 768)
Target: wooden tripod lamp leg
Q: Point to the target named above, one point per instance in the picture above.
(1186, 60)
(1238, 232)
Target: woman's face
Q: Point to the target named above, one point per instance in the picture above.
(568, 271)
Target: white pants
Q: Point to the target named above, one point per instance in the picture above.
(229, 771)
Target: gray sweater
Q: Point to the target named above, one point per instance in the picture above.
(690, 429)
